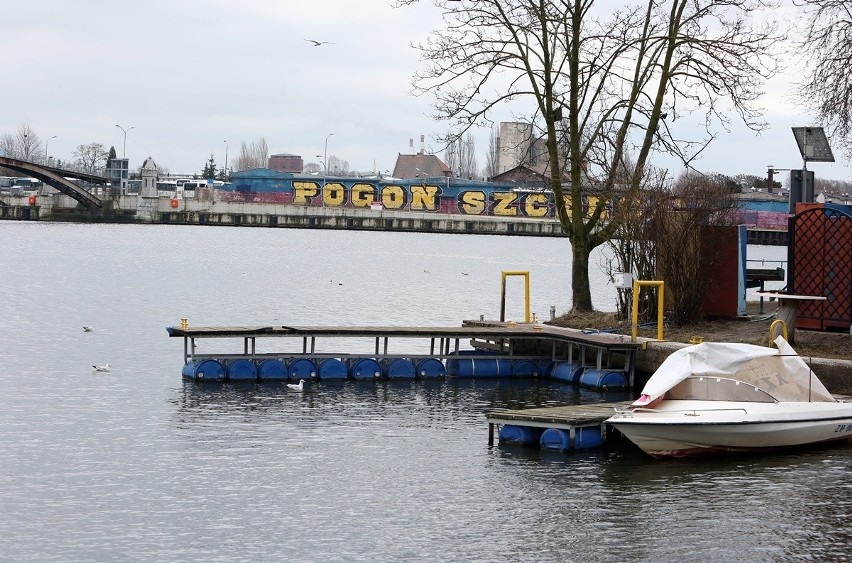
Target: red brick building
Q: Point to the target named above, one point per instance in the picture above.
(286, 162)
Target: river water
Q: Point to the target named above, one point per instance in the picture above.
(137, 464)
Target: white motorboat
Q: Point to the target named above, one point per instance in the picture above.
(717, 397)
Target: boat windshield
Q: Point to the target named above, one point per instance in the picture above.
(709, 388)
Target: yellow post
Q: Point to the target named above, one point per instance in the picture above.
(660, 285)
(503, 277)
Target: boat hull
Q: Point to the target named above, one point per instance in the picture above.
(689, 428)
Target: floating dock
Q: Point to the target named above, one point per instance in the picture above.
(475, 349)
(564, 428)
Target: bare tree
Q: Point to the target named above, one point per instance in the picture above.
(252, 155)
(451, 157)
(460, 156)
(613, 76)
(827, 53)
(312, 168)
(91, 157)
(666, 232)
(24, 143)
(337, 165)
(682, 235)
(468, 167)
(491, 156)
(633, 249)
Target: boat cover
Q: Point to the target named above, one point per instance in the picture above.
(779, 372)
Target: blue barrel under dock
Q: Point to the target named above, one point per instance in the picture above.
(563, 428)
(496, 350)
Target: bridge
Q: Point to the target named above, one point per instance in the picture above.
(57, 178)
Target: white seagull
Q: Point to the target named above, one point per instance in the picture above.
(88, 328)
(318, 43)
(298, 387)
(102, 368)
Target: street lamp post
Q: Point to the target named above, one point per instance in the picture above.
(325, 167)
(46, 154)
(226, 160)
(124, 150)
(325, 158)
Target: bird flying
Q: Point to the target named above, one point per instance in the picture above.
(318, 43)
(88, 328)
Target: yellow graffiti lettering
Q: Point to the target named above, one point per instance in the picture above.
(472, 203)
(393, 197)
(333, 195)
(503, 204)
(363, 195)
(303, 192)
(535, 205)
(424, 198)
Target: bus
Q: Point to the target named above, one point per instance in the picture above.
(27, 184)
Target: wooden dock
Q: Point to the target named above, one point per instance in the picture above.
(568, 417)
(503, 339)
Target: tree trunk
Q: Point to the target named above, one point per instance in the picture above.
(581, 294)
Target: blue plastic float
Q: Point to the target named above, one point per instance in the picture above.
(466, 366)
(604, 379)
(545, 367)
(525, 368)
(207, 370)
(272, 370)
(567, 372)
(399, 368)
(513, 435)
(430, 368)
(332, 368)
(365, 368)
(558, 439)
(241, 370)
(302, 368)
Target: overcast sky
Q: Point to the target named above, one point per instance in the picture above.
(188, 75)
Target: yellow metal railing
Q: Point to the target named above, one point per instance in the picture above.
(660, 285)
(503, 277)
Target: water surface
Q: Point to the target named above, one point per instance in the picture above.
(137, 464)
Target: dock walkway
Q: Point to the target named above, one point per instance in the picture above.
(489, 338)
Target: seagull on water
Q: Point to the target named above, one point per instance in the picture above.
(102, 368)
(298, 387)
(318, 43)
(88, 328)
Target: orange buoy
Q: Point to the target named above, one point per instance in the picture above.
(174, 203)
(32, 200)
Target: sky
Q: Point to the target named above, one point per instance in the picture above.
(188, 79)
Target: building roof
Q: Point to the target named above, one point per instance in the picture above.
(420, 166)
(522, 173)
(285, 155)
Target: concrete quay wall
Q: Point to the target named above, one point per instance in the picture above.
(201, 211)
(196, 212)
(162, 210)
